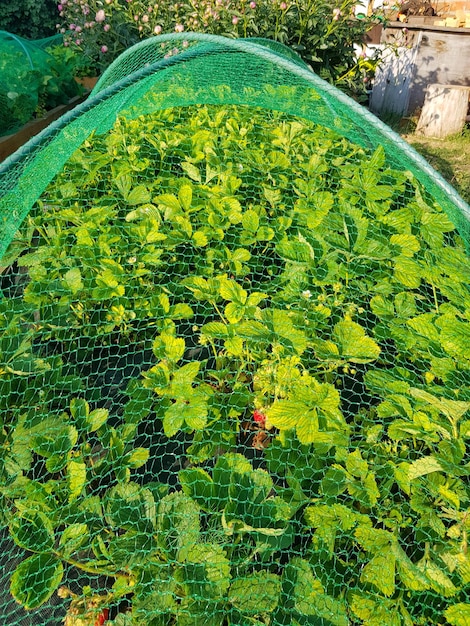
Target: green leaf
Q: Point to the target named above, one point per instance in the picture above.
(73, 538)
(138, 195)
(35, 580)
(410, 575)
(74, 281)
(96, 419)
(453, 409)
(310, 597)
(354, 344)
(231, 290)
(57, 439)
(374, 610)
(80, 409)
(458, 614)
(234, 312)
(206, 570)
(250, 221)
(131, 507)
(407, 272)
(132, 549)
(380, 572)
(423, 466)
(137, 458)
(32, 530)
(438, 579)
(178, 524)
(284, 414)
(258, 593)
(198, 485)
(191, 170)
(76, 478)
(185, 196)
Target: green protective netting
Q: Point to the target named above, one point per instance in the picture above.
(235, 347)
(28, 80)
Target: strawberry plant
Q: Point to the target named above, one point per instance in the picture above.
(236, 381)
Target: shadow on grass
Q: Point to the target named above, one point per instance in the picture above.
(444, 163)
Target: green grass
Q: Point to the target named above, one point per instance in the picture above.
(450, 157)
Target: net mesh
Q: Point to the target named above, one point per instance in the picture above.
(29, 81)
(235, 356)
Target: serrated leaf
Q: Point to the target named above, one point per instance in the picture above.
(96, 419)
(423, 466)
(458, 614)
(185, 196)
(192, 171)
(138, 195)
(131, 507)
(438, 579)
(455, 409)
(407, 272)
(32, 530)
(200, 239)
(234, 345)
(354, 344)
(137, 458)
(255, 594)
(206, 570)
(234, 312)
(215, 329)
(231, 290)
(73, 538)
(408, 244)
(35, 580)
(374, 610)
(380, 572)
(178, 524)
(250, 221)
(198, 485)
(74, 281)
(76, 478)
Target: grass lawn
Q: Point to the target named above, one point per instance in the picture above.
(450, 157)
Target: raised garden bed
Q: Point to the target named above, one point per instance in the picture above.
(11, 143)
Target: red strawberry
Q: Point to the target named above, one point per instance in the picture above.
(102, 617)
(259, 417)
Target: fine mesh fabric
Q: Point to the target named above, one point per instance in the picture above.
(23, 66)
(234, 332)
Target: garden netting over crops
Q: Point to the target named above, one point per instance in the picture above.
(25, 72)
(235, 343)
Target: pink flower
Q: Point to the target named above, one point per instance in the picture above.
(78, 29)
(283, 6)
(336, 14)
(60, 7)
(100, 16)
(104, 49)
(252, 5)
(158, 29)
(106, 27)
(179, 28)
(145, 18)
(234, 20)
(72, 26)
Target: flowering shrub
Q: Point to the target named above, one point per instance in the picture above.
(323, 32)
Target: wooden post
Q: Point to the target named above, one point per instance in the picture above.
(444, 111)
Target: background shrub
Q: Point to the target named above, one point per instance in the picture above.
(33, 19)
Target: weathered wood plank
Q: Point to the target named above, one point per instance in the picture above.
(445, 110)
